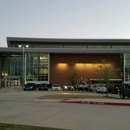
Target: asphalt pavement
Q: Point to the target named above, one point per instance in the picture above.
(25, 108)
(118, 101)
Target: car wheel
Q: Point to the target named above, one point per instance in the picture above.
(122, 96)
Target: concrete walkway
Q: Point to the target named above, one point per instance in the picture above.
(25, 108)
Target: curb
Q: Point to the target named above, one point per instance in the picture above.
(95, 103)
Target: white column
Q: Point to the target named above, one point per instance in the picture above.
(23, 68)
(124, 66)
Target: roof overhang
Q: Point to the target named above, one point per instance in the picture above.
(14, 50)
(68, 40)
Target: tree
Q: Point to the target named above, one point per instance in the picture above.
(73, 78)
(105, 71)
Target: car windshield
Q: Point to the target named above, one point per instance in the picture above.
(120, 86)
(29, 84)
(43, 85)
(101, 86)
(55, 85)
(82, 83)
(68, 84)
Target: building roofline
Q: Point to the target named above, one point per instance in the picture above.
(66, 39)
(81, 40)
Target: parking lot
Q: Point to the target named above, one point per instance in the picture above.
(23, 107)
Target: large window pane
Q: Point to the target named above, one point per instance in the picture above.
(37, 67)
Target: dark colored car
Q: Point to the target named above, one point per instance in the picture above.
(30, 86)
(67, 86)
(43, 86)
(124, 91)
(115, 88)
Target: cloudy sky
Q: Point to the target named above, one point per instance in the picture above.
(64, 19)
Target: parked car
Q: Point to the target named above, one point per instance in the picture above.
(81, 86)
(68, 86)
(30, 86)
(92, 88)
(101, 89)
(117, 87)
(124, 91)
(43, 86)
(56, 87)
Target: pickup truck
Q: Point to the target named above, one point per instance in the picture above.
(81, 86)
(124, 91)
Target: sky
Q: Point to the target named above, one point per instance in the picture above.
(84, 19)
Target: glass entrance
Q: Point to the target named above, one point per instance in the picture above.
(11, 81)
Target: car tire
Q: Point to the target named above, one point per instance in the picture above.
(122, 96)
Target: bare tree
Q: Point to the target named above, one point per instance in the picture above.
(105, 71)
(73, 78)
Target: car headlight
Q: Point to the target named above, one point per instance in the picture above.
(65, 86)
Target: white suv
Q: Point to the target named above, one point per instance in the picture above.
(101, 89)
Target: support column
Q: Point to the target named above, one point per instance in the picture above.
(0, 70)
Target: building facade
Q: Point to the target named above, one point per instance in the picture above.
(52, 60)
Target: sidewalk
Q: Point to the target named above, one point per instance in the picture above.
(10, 89)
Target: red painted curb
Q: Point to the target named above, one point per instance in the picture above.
(97, 103)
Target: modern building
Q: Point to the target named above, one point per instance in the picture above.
(50, 60)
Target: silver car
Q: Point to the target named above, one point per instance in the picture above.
(56, 87)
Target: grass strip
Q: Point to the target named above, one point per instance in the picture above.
(76, 96)
(4, 126)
